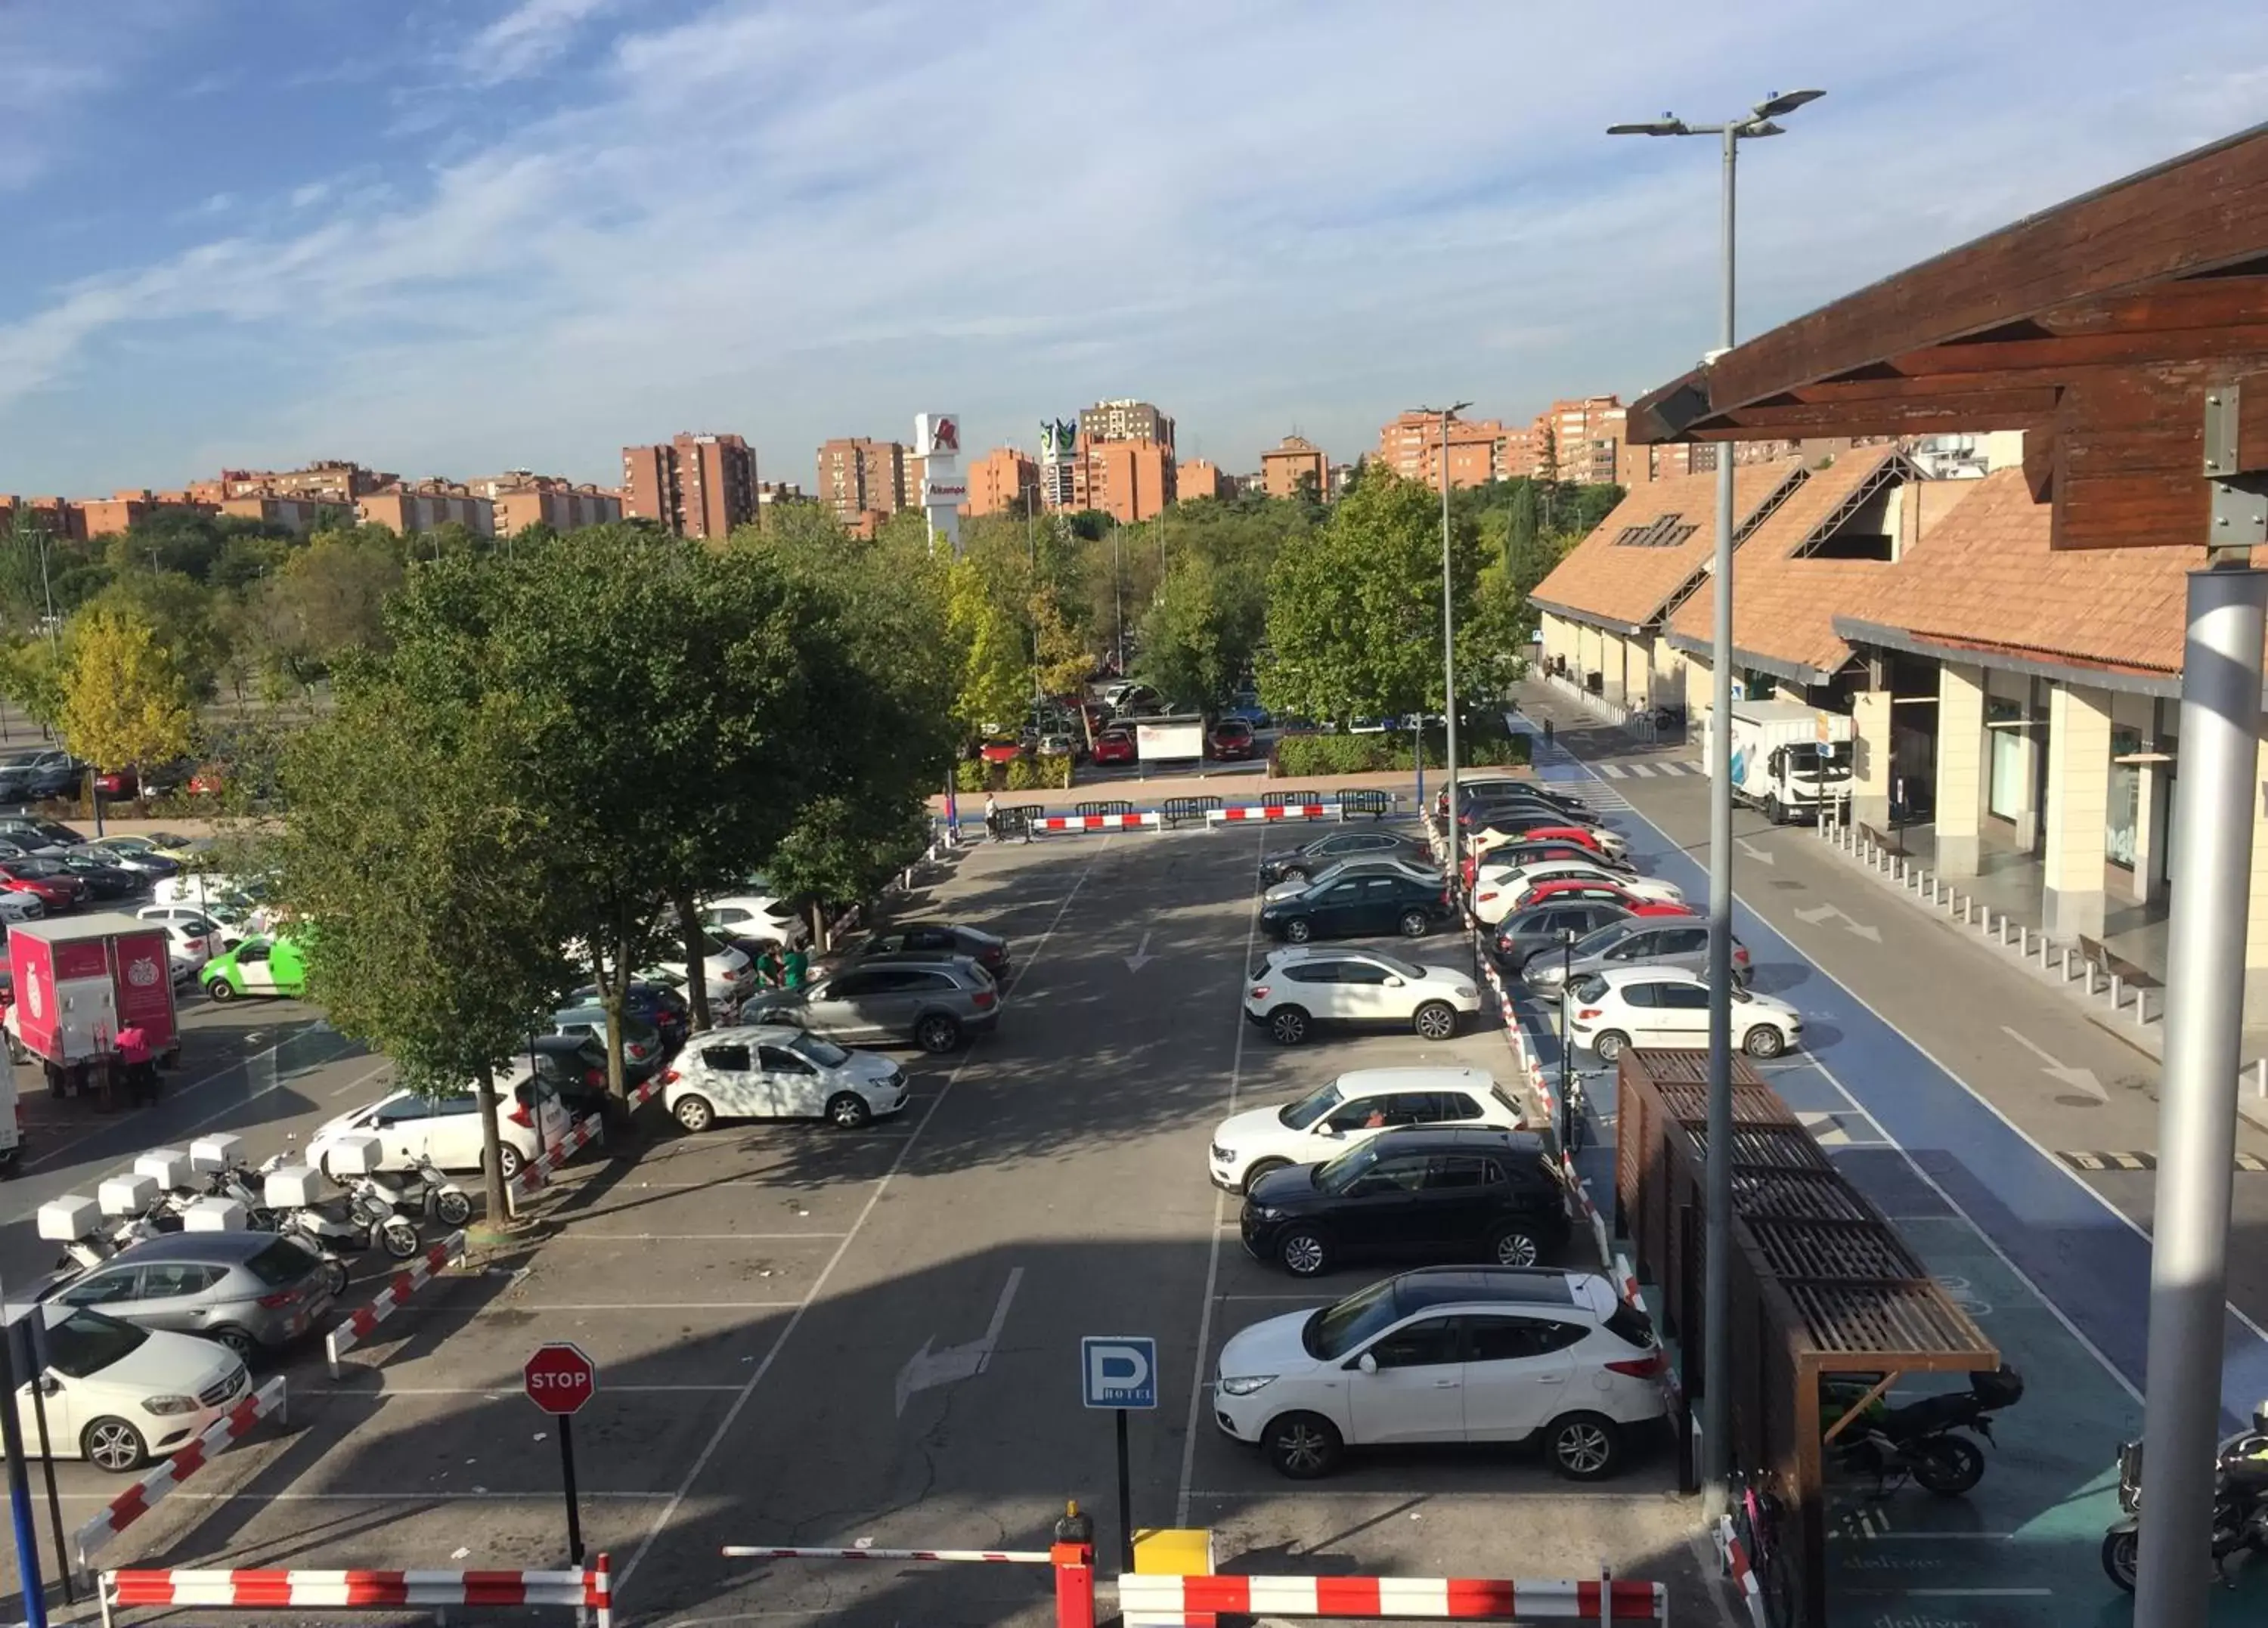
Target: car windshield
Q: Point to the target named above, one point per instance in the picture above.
(87, 1342)
(1339, 1328)
(19, 759)
(281, 1261)
(1599, 940)
(825, 1053)
(1348, 1168)
(1300, 1115)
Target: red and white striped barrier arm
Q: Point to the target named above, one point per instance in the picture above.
(136, 1501)
(1626, 1279)
(1096, 822)
(1257, 814)
(538, 1169)
(1736, 1561)
(589, 1589)
(987, 1556)
(405, 1283)
(1602, 1599)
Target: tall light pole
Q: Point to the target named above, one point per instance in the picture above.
(1448, 645)
(1717, 1340)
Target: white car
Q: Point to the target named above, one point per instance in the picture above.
(118, 1395)
(16, 907)
(1612, 844)
(1448, 1354)
(1303, 984)
(1349, 1111)
(187, 919)
(1663, 1006)
(755, 915)
(1353, 865)
(770, 1071)
(447, 1129)
(1496, 893)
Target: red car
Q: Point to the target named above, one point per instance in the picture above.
(1545, 893)
(116, 783)
(1114, 746)
(1230, 738)
(44, 880)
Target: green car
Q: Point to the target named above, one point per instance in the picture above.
(258, 966)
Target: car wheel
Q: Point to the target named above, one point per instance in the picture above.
(1764, 1041)
(114, 1445)
(847, 1110)
(1264, 1167)
(1294, 873)
(235, 1338)
(1516, 1246)
(1305, 1252)
(1287, 1025)
(1302, 1445)
(219, 989)
(936, 1034)
(695, 1113)
(1414, 924)
(1299, 930)
(1608, 1043)
(508, 1161)
(1436, 1020)
(1584, 1446)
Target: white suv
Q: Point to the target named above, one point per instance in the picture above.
(1348, 1112)
(1299, 987)
(1448, 1354)
(771, 1071)
(1665, 1006)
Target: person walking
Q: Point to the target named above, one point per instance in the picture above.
(1547, 734)
(798, 969)
(769, 970)
(991, 816)
(139, 1067)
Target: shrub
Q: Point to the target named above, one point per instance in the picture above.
(1049, 773)
(1485, 744)
(971, 774)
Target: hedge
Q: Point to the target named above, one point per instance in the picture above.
(1300, 755)
(1048, 774)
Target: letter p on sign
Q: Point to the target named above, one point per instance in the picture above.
(1118, 1370)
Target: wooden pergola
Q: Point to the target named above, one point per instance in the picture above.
(2100, 328)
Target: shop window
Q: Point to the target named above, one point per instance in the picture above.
(2005, 731)
(2122, 816)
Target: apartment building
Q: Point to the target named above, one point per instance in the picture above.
(1129, 480)
(1479, 450)
(699, 484)
(1005, 480)
(1198, 477)
(339, 480)
(1125, 420)
(858, 475)
(561, 508)
(1291, 461)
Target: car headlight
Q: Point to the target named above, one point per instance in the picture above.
(1268, 1213)
(1466, 992)
(1245, 1384)
(170, 1405)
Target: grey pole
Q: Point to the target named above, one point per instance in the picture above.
(2197, 1107)
(1448, 655)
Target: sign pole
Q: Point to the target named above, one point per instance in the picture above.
(1125, 1496)
(567, 1479)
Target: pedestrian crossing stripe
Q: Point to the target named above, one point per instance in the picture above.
(2249, 1161)
(1665, 767)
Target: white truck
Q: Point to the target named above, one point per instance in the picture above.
(1789, 759)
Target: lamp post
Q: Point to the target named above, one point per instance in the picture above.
(1566, 1038)
(1449, 639)
(1716, 1344)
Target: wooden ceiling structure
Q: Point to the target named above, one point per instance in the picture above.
(2111, 329)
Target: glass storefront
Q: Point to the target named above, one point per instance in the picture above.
(2004, 729)
(2121, 815)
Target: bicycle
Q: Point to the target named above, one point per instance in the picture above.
(1578, 1116)
(1756, 1513)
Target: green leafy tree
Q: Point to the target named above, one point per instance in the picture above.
(327, 599)
(124, 703)
(995, 678)
(1521, 532)
(179, 611)
(32, 676)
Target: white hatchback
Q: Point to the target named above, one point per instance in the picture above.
(755, 915)
(771, 1071)
(1303, 984)
(1663, 1006)
(447, 1129)
(1497, 891)
(1349, 1111)
(1448, 1354)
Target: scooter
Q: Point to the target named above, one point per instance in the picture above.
(89, 1249)
(425, 1190)
(1921, 1439)
(2240, 1503)
(363, 1219)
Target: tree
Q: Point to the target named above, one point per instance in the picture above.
(124, 703)
(995, 679)
(32, 676)
(178, 613)
(327, 599)
(1520, 529)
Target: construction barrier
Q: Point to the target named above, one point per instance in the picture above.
(1279, 799)
(138, 1500)
(359, 1327)
(1186, 810)
(1601, 1599)
(1734, 1560)
(1267, 812)
(984, 1557)
(1372, 804)
(536, 1171)
(1115, 805)
(1097, 822)
(588, 1589)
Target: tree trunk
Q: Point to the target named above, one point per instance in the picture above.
(614, 989)
(492, 1149)
(696, 970)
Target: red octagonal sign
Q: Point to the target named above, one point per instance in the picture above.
(560, 1378)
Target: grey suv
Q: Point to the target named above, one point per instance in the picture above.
(936, 1003)
(1637, 941)
(25, 776)
(245, 1289)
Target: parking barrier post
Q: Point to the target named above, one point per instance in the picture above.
(2116, 998)
(1074, 1556)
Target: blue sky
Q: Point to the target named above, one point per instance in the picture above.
(454, 236)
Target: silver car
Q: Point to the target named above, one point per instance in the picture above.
(888, 1000)
(248, 1290)
(1355, 865)
(1680, 942)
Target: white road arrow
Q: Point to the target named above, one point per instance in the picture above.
(1754, 852)
(1830, 912)
(1141, 957)
(2083, 1079)
(927, 1368)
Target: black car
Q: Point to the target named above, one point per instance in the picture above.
(1433, 1195)
(1357, 907)
(1516, 819)
(1544, 927)
(989, 950)
(40, 772)
(573, 1065)
(106, 881)
(1298, 864)
(1477, 791)
(665, 1008)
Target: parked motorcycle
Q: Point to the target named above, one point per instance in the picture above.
(89, 1249)
(2240, 1503)
(1922, 1439)
(423, 1189)
(362, 1218)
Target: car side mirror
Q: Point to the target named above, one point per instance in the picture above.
(1331, 1131)
(1394, 983)
(50, 1385)
(1367, 1363)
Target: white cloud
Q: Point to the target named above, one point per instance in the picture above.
(798, 221)
(527, 38)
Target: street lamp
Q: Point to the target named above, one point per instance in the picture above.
(1716, 1344)
(1566, 1041)
(1448, 638)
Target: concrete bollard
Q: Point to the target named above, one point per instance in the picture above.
(2115, 998)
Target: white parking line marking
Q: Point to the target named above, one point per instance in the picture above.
(658, 1305)
(1311, 1299)
(1432, 1493)
(865, 1212)
(1219, 1215)
(550, 1498)
(496, 1391)
(688, 1237)
(360, 1080)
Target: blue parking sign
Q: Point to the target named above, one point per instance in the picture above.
(1118, 1370)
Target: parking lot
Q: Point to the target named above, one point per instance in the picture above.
(773, 1311)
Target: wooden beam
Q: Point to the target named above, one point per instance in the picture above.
(1926, 416)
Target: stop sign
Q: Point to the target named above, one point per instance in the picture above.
(560, 1378)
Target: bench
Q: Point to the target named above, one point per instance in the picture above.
(1889, 842)
(2126, 971)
